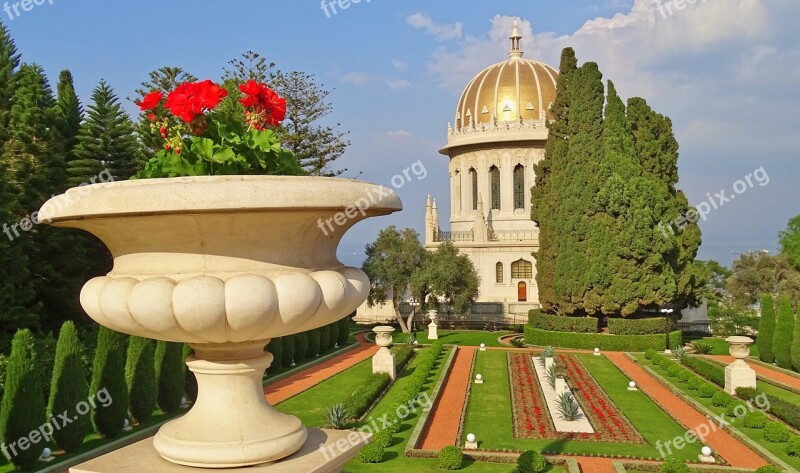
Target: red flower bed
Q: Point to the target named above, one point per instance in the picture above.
(532, 418)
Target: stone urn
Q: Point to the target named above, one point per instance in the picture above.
(739, 374)
(225, 264)
(383, 361)
(433, 328)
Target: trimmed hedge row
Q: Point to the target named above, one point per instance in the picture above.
(589, 341)
(641, 326)
(561, 323)
(786, 411)
(712, 372)
(368, 391)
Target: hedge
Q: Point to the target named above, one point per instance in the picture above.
(324, 338)
(775, 432)
(108, 373)
(641, 326)
(712, 372)
(450, 458)
(140, 376)
(68, 388)
(589, 341)
(171, 375)
(334, 335)
(344, 330)
(366, 393)
(562, 323)
(300, 346)
(288, 351)
(786, 411)
(766, 329)
(275, 347)
(531, 462)
(314, 347)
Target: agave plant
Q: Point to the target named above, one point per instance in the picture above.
(680, 353)
(567, 407)
(548, 352)
(552, 374)
(517, 343)
(337, 416)
(702, 348)
(411, 339)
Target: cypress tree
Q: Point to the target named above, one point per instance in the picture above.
(23, 405)
(344, 330)
(324, 338)
(106, 141)
(276, 348)
(140, 376)
(313, 343)
(301, 346)
(69, 114)
(288, 351)
(170, 374)
(796, 342)
(784, 331)
(549, 174)
(766, 329)
(190, 383)
(334, 335)
(108, 372)
(68, 387)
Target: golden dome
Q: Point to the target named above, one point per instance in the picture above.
(508, 91)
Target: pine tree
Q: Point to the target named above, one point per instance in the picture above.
(165, 79)
(9, 62)
(140, 377)
(108, 372)
(23, 406)
(106, 142)
(784, 332)
(68, 387)
(796, 342)
(170, 375)
(549, 173)
(766, 329)
(69, 114)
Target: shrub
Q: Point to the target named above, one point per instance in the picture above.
(170, 375)
(674, 370)
(531, 462)
(721, 399)
(371, 453)
(288, 351)
(748, 394)
(334, 335)
(684, 376)
(641, 326)
(140, 377)
(366, 393)
(402, 355)
(314, 339)
(561, 323)
(649, 353)
(589, 341)
(766, 329)
(710, 371)
(567, 407)
(190, 380)
(776, 432)
(23, 406)
(108, 372)
(702, 348)
(784, 331)
(755, 420)
(793, 446)
(3, 364)
(518, 342)
(680, 353)
(324, 338)
(336, 416)
(694, 383)
(68, 387)
(707, 391)
(275, 347)
(736, 409)
(300, 346)
(786, 411)
(769, 469)
(383, 438)
(674, 465)
(796, 343)
(450, 458)
(344, 329)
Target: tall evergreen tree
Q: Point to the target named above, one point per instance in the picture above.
(190, 380)
(68, 387)
(9, 62)
(766, 329)
(106, 141)
(69, 114)
(784, 333)
(140, 377)
(108, 372)
(550, 173)
(796, 342)
(170, 375)
(23, 406)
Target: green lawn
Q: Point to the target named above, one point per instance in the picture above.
(756, 435)
(462, 337)
(489, 413)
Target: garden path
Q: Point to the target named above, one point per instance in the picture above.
(723, 443)
(282, 390)
(445, 420)
(764, 371)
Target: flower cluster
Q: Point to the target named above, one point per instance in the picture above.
(263, 107)
(531, 417)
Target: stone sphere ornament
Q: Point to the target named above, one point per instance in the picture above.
(706, 451)
(471, 438)
(632, 384)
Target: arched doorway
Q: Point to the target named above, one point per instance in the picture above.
(522, 291)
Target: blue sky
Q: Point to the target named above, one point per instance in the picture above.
(725, 71)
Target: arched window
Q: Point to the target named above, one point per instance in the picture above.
(521, 269)
(498, 269)
(474, 178)
(519, 187)
(494, 179)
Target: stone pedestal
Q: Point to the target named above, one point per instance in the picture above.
(433, 329)
(383, 360)
(470, 445)
(739, 374)
(561, 386)
(706, 459)
(325, 451)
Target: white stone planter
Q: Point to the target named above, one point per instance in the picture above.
(739, 374)
(433, 328)
(383, 360)
(225, 264)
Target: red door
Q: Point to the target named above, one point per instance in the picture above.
(522, 292)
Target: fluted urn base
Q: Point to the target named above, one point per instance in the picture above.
(230, 408)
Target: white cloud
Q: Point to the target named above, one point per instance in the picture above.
(400, 65)
(358, 79)
(399, 134)
(440, 31)
(363, 79)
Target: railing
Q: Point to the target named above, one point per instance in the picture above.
(511, 235)
(497, 127)
(467, 235)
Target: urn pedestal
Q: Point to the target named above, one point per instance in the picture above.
(433, 329)
(224, 264)
(739, 374)
(383, 361)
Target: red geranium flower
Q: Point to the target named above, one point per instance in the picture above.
(151, 100)
(191, 99)
(267, 107)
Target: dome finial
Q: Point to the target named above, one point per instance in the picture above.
(515, 38)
